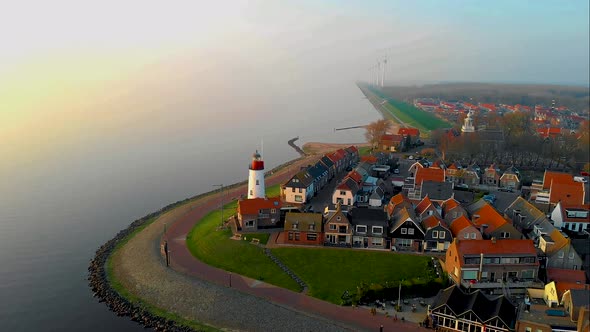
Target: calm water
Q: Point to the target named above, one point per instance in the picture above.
(156, 145)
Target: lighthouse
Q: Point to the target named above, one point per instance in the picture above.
(256, 178)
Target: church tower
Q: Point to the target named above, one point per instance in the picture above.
(468, 124)
(256, 178)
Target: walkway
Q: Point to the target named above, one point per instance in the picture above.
(200, 292)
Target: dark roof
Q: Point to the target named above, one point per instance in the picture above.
(300, 180)
(439, 191)
(372, 217)
(327, 161)
(485, 308)
(580, 297)
(317, 170)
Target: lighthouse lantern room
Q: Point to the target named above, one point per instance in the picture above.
(256, 177)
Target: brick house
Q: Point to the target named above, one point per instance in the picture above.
(510, 178)
(462, 229)
(491, 176)
(491, 222)
(337, 229)
(303, 228)
(257, 213)
(506, 263)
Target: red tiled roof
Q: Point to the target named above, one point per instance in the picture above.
(353, 149)
(429, 174)
(355, 176)
(556, 177)
(505, 246)
(459, 224)
(254, 205)
(488, 216)
(369, 159)
(423, 205)
(561, 287)
(409, 132)
(450, 204)
(566, 275)
(430, 222)
(570, 193)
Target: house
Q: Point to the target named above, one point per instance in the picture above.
(354, 152)
(337, 157)
(329, 165)
(433, 174)
(451, 210)
(405, 231)
(437, 237)
(370, 228)
(491, 223)
(426, 208)
(461, 228)
(491, 176)
(566, 280)
(456, 310)
(510, 178)
(438, 192)
(346, 192)
(390, 142)
(337, 229)
(470, 175)
(557, 250)
(299, 189)
(303, 228)
(257, 213)
(414, 133)
(493, 264)
(453, 172)
(560, 187)
(396, 203)
(319, 174)
(571, 217)
(574, 301)
(376, 197)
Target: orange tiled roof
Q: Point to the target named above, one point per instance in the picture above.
(561, 287)
(449, 204)
(505, 246)
(459, 224)
(567, 193)
(556, 177)
(429, 174)
(423, 205)
(430, 222)
(488, 216)
(369, 159)
(559, 241)
(397, 200)
(254, 205)
(355, 176)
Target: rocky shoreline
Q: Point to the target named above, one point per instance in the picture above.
(99, 283)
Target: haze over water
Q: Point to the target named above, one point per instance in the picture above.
(111, 111)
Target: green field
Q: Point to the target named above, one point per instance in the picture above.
(329, 272)
(411, 115)
(215, 247)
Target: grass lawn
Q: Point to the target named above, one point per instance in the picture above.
(364, 150)
(329, 272)
(214, 247)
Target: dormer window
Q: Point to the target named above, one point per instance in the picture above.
(295, 225)
(312, 227)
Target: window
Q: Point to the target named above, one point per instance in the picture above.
(435, 234)
(377, 241)
(469, 275)
(338, 218)
(291, 236)
(473, 236)
(297, 236)
(257, 182)
(332, 227)
(251, 192)
(527, 259)
(571, 255)
(293, 190)
(377, 230)
(472, 260)
(298, 198)
(441, 235)
(250, 223)
(528, 329)
(312, 227)
(510, 260)
(484, 274)
(273, 210)
(361, 229)
(504, 235)
(456, 271)
(300, 190)
(410, 231)
(342, 192)
(466, 235)
(560, 255)
(312, 237)
(295, 225)
(527, 274)
(404, 231)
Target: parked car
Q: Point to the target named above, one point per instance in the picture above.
(508, 190)
(462, 186)
(411, 157)
(396, 171)
(490, 199)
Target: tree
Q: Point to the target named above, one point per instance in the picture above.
(376, 130)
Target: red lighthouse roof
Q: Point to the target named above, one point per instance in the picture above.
(257, 162)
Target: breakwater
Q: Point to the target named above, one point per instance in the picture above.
(292, 144)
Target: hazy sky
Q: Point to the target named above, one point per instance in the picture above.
(62, 61)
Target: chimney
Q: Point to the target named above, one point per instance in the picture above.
(493, 239)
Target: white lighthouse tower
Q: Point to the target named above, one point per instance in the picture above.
(256, 178)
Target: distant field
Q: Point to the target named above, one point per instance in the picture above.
(411, 115)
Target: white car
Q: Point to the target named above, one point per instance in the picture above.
(396, 171)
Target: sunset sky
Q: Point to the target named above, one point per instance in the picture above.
(68, 66)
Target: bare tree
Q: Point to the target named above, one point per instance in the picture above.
(376, 130)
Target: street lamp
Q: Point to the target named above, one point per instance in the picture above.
(221, 200)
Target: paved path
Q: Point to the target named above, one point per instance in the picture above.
(200, 292)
